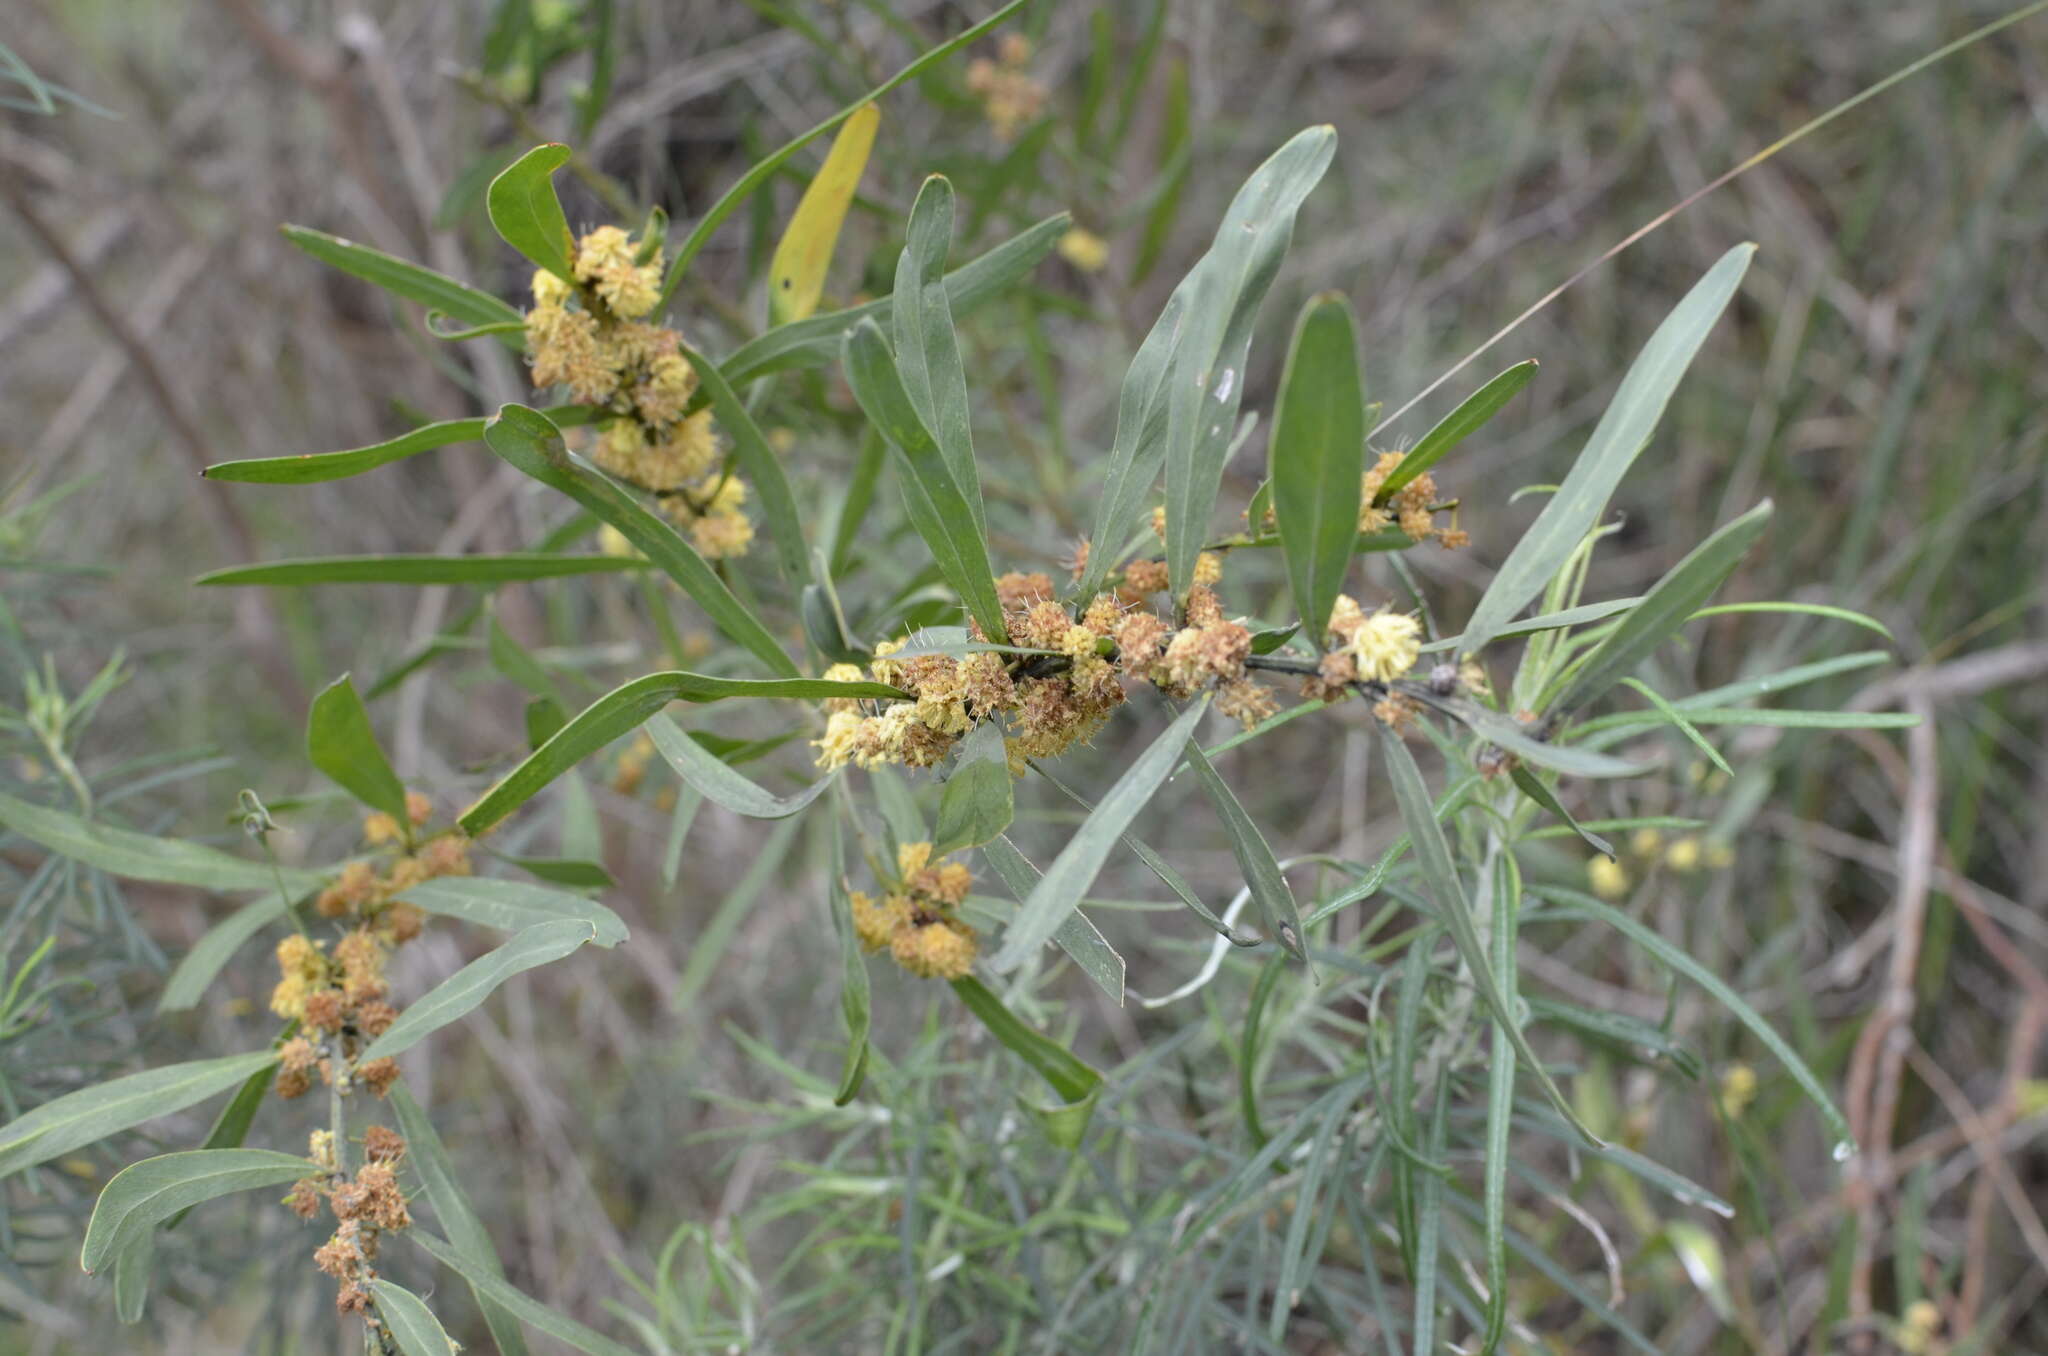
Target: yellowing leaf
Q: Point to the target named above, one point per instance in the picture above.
(797, 276)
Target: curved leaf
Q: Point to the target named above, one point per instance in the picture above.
(512, 905)
(1317, 458)
(1069, 1076)
(411, 1324)
(457, 1217)
(979, 800)
(1622, 433)
(759, 461)
(459, 994)
(528, 1310)
(1456, 426)
(401, 277)
(715, 779)
(1255, 860)
(139, 856)
(526, 212)
(80, 1118)
(341, 743)
(310, 468)
(796, 275)
(927, 350)
(417, 570)
(526, 439)
(195, 973)
(144, 1194)
(1059, 890)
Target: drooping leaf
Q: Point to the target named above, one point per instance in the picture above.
(143, 1195)
(1223, 295)
(341, 743)
(818, 340)
(309, 468)
(1505, 731)
(1617, 439)
(435, 291)
(411, 1324)
(758, 460)
(528, 1310)
(1080, 939)
(1074, 1080)
(716, 781)
(139, 856)
(1255, 860)
(417, 570)
(764, 169)
(1456, 426)
(512, 905)
(1317, 457)
(1664, 609)
(526, 212)
(132, 1267)
(1442, 884)
(978, 802)
(526, 439)
(457, 1217)
(796, 275)
(1535, 789)
(1060, 889)
(91, 1114)
(854, 998)
(939, 509)
(459, 994)
(1573, 902)
(194, 974)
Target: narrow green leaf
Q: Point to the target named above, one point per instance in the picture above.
(459, 994)
(1777, 717)
(1429, 1217)
(310, 468)
(341, 743)
(401, 277)
(132, 1266)
(818, 340)
(1685, 727)
(142, 1195)
(411, 1324)
(1784, 680)
(764, 169)
(716, 781)
(194, 974)
(796, 275)
(1622, 433)
(1664, 609)
(1503, 730)
(1535, 789)
(927, 350)
(1456, 426)
(528, 1310)
(1500, 1107)
(1075, 1081)
(1444, 888)
(526, 439)
(574, 872)
(528, 215)
(1807, 609)
(513, 660)
(978, 802)
(1081, 860)
(1317, 457)
(1139, 446)
(1549, 621)
(758, 460)
(1255, 860)
(1573, 902)
(231, 1125)
(512, 905)
(457, 1217)
(854, 997)
(138, 856)
(1223, 295)
(939, 509)
(1079, 938)
(417, 570)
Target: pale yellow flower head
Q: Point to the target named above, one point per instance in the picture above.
(1386, 645)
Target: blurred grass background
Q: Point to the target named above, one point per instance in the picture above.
(1883, 377)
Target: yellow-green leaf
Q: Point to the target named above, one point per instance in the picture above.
(796, 278)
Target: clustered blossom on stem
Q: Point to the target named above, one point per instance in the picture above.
(917, 919)
(366, 1205)
(592, 337)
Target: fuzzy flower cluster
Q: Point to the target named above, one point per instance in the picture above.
(366, 1205)
(1367, 647)
(1009, 95)
(341, 1002)
(917, 919)
(1051, 700)
(592, 337)
(1414, 507)
(364, 891)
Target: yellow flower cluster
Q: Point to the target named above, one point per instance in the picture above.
(1375, 647)
(1084, 249)
(1410, 506)
(1009, 95)
(365, 1206)
(365, 892)
(918, 920)
(592, 337)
